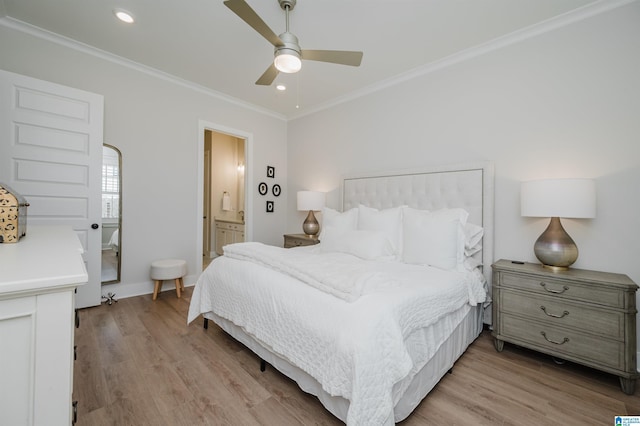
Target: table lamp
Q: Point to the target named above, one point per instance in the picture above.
(311, 201)
(556, 198)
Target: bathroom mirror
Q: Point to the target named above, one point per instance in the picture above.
(111, 214)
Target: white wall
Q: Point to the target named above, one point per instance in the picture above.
(154, 122)
(565, 103)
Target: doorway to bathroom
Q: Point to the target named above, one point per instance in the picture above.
(224, 194)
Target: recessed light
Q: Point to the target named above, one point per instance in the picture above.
(281, 87)
(124, 16)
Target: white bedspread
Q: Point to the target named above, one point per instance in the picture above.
(355, 350)
(333, 273)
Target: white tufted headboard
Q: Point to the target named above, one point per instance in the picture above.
(469, 186)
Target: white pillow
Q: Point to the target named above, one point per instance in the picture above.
(472, 236)
(347, 221)
(434, 238)
(368, 245)
(387, 221)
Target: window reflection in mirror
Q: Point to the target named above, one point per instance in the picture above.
(111, 214)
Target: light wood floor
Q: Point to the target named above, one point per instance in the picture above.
(140, 364)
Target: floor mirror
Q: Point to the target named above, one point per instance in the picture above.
(111, 214)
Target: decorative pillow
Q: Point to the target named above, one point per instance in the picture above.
(387, 221)
(472, 236)
(346, 221)
(368, 245)
(434, 238)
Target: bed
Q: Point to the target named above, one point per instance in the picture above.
(370, 319)
(114, 241)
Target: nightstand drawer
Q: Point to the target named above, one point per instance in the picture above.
(563, 342)
(299, 240)
(564, 289)
(294, 243)
(561, 313)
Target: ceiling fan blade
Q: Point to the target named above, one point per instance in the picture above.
(342, 57)
(269, 75)
(248, 15)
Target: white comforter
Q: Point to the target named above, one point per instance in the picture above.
(333, 273)
(354, 350)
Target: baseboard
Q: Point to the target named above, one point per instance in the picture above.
(123, 291)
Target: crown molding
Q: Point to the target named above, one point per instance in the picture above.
(517, 36)
(32, 30)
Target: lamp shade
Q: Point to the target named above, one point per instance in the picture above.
(311, 200)
(570, 198)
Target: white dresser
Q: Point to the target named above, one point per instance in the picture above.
(38, 277)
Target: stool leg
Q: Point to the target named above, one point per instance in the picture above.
(156, 288)
(181, 284)
(178, 287)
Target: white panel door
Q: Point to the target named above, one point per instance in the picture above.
(51, 153)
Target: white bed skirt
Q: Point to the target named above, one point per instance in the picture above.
(425, 380)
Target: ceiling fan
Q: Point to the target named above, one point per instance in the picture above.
(287, 51)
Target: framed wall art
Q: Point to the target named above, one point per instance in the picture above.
(271, 172)
(275, 190)
(270, 206)
(263, 188)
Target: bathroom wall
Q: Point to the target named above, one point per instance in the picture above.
(227, 152)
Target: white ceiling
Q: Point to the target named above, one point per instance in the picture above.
(203, 42)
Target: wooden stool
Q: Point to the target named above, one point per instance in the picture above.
(168, 269)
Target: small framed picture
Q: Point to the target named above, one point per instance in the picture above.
(276, 190)
(271, 172)
(269, 206)
(263, 188)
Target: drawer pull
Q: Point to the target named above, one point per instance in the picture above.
(564, 288)
(565, 340)
(564, 313)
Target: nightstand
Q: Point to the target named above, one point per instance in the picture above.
(586, 317)
(299, 240)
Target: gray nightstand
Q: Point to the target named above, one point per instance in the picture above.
(586, 317)
(298, 240)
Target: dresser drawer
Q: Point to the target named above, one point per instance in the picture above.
(561, 313)
(560, 288)
(563, 342)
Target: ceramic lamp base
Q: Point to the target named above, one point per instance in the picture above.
(555, 249)
(310, 225)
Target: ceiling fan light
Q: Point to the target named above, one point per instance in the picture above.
(287, 61)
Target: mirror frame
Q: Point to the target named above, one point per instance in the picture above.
(119, 268)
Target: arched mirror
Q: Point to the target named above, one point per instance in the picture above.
(111, 214)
